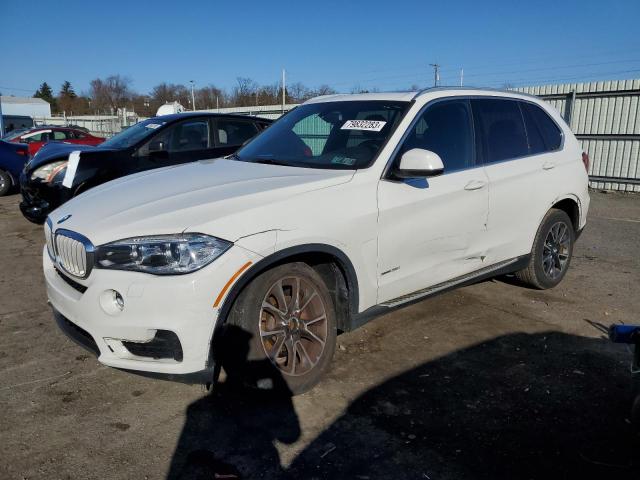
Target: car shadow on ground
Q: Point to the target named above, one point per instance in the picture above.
(546, 405)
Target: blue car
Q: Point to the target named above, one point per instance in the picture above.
(13, 157)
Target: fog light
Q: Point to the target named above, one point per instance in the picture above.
(112, 302)
(119, 300)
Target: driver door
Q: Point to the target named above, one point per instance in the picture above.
(186, 141)
(433, 230)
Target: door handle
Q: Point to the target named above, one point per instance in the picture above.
(475, 185)
(548, 165)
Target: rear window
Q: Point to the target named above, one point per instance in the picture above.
(500, 127)
(235, 132)
(544, 134)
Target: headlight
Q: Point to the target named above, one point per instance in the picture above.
(161, 254)
(49, 171)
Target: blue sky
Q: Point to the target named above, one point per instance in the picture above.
(372, 44)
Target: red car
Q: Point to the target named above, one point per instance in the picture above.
(36, 137)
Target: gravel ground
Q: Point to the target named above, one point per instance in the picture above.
(489, 381)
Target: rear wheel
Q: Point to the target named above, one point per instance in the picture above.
(551, 253)
(288, 321)
(5, 183)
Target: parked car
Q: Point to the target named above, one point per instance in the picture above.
(153, 143)
(12, 160)
(347, 207)
(15, 122)
(36, 137)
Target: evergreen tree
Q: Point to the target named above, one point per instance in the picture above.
(67, 90)
(45, 93)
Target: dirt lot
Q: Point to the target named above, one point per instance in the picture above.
(490, 381)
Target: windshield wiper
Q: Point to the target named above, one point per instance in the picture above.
(233, 156)
(271, 161)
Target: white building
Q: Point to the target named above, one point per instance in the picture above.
(24, 106)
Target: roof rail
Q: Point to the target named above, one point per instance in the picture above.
(480, 89)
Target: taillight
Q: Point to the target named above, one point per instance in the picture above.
(585, 161)
(22, 152)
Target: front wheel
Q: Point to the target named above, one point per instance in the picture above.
(281, 330)
(5, 183)
(551, 253)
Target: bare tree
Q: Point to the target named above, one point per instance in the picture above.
(324, 90)
(244, 93)
(110, 93)
(210, 97)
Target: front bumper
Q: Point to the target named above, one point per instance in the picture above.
(33, 206)
(155, 308)
(35, 212)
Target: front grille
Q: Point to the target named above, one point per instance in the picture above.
(74, 253)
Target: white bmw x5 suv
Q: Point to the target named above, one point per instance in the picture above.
(346, 207)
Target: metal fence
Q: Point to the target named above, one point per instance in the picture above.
(99, 125)
(605, 117)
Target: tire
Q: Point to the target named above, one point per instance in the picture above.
(551, 253)
(5, 183)
(294, 358)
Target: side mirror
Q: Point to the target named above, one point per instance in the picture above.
(419, 163)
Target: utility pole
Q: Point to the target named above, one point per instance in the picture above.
(283, 89)
(193, 97)
(461, 77)
(436, 74)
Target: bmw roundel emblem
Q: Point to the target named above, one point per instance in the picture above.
(64, 219)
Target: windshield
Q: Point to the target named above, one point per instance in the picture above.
(133, 134)
(14, 134)
(331, 135)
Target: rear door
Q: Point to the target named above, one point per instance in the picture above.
(516, 177)
(231, 133)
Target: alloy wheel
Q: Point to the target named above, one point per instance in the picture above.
(556, 250)
(293, 325)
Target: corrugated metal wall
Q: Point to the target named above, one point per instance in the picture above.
(605, 116)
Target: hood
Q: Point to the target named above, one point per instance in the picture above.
(210, 196)
(59, 151)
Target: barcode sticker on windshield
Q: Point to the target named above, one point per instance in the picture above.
(72, 166)
(153, 125)
(370, 125)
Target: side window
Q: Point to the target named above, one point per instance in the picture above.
(185, 136)
(43, 136)
(445, 128)
(59, 135)
(500, 128)
(234, 132)
(544, 134)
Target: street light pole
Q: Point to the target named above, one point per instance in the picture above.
(193, 97)
(436, 74)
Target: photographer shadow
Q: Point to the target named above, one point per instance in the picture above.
(231, 432)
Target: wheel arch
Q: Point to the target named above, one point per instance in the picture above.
(331, 263)
(12, 178)
(570, 204)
